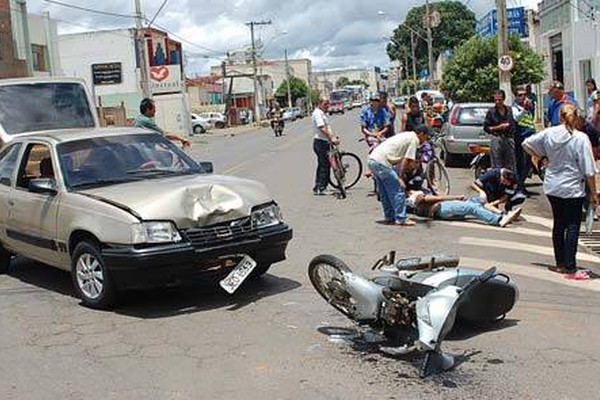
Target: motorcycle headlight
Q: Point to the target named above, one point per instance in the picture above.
(423, 311)
(154, 232)
(266, 216)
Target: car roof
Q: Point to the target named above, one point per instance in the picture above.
(68, 135)
(14, 81)
(474, 105)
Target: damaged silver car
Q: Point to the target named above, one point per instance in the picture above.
(125, 208)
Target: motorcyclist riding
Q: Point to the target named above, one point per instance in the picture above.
(274, 114)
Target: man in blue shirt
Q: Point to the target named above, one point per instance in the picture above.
(374, 122)
(558, 98)
(522, 110)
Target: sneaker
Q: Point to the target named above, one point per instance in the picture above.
(510, 217)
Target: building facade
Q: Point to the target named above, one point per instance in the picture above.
(569, 41)
(326, 81)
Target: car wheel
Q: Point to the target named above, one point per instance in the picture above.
(5, 258)
(91, 277)
(220, 125)
(198, 129)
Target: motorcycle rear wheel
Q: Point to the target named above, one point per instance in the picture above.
(326, 275)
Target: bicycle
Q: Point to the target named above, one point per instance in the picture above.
(343, 164)
(434, 172)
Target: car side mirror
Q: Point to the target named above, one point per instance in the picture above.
(207, 166)
(43, 186)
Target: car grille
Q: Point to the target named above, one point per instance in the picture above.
(230, 231)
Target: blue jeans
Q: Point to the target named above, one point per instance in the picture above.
(565, 232)
(392, 195)
(473, 207)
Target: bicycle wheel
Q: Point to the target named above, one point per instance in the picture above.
(352, 168)
(437, 177)
(326, 273)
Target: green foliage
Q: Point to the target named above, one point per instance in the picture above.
(343, 81)
(359, 82)
(298, 89)
(472, 73)
(457, 24)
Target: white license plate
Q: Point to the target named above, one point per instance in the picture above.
(237, 276)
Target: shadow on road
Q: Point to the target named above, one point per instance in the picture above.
(463, 331)
(159, 303)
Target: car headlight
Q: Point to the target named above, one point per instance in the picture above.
(154, 232)
(266, 216)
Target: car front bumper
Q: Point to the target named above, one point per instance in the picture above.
(174, 264)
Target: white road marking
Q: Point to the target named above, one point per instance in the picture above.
(530, 272)
(516, 246)
(546, 222)
(509, 229)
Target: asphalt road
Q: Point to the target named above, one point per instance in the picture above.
(270, 340)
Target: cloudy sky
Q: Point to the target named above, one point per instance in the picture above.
(332, 33)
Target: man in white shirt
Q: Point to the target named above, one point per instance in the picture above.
(322, 137)
(397, 150)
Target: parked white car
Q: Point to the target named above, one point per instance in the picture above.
(199, 124)
(215, 119)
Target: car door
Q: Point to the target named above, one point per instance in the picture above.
(9, 160)
(32, 217)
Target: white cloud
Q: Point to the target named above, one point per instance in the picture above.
(333, 33)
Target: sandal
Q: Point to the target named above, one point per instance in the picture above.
(407, 222)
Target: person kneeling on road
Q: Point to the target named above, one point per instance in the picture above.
(397, 150)
(424, 204)
(498, 188)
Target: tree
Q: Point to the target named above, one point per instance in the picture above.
(298, 89)
(457, 24)
(472, 73)
(357, 82)
(343, 81)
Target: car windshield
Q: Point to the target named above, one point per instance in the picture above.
(110, 160)
(472, 116)
(44, 106)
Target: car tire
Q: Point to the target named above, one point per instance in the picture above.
(450, 159)
(219, 125)
(91, 277)
(5, 258)
(199, 129)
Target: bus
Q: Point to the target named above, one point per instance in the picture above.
(339, 101)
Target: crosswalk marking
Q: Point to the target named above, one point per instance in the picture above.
(530, 272)
(545, 222)
(510, 229)
(516, 246)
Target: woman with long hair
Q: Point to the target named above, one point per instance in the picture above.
(570, 167)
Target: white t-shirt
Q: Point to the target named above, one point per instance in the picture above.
(319, 120)
(402, 145)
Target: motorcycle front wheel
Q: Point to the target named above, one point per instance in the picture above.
(326, 273)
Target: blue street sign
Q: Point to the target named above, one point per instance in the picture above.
(517, 23)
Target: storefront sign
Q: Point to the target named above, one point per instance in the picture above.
(107, 73)
(165, 79)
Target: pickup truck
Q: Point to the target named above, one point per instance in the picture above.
(121, 208)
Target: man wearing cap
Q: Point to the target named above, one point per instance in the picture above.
(374, 122)
(395, 151)
(558, 98)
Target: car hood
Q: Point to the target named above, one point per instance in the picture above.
(189, 201)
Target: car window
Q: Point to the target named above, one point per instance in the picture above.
(37, 163)
(473, 116)
(44, 106)
(119, 159)
(8, 162)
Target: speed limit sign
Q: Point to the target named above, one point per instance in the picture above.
(505, 63)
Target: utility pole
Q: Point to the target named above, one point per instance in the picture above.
(414, 60)
(429, 44)
(141, 48)
(505, 76)
(287, 79)
(252, 24)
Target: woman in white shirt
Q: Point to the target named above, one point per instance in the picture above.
(570, 167)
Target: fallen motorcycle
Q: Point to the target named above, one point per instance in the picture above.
(414, 302)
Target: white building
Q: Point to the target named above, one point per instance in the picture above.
(569, 41)
(35, 39)
(326, 81)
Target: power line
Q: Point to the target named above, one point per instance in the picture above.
(157, 12)
(90, 10)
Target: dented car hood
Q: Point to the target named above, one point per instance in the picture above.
(189, 201)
